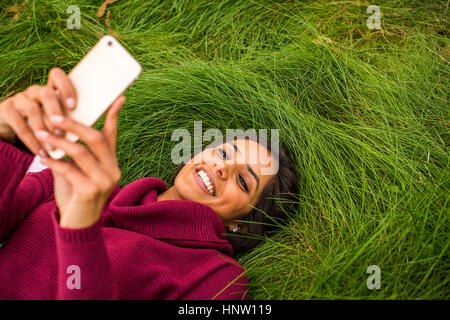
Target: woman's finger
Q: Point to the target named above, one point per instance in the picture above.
(57, 79)
(48, 99)
(82, 157)
(70, 171)
(18, 124)
(110, 126)
(31, 110)
(92, 137)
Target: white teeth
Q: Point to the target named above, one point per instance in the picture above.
(202, 174)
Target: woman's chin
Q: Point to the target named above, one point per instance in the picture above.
(187, 192)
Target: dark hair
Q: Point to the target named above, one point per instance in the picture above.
(260, 221)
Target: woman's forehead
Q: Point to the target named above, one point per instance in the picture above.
(249, 145)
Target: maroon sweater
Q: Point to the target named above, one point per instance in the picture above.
(141, 248)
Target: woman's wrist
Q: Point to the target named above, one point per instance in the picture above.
(77, 222)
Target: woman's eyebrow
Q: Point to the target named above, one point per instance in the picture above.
(248, 167)
(255, 175)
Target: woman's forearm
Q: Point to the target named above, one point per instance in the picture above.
(84, 270)
(19, 193)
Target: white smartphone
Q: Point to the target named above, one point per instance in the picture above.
(106, 71)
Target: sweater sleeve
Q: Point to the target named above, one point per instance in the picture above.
(229, 282)
(19, 192)
(236, 288)
(84, 270)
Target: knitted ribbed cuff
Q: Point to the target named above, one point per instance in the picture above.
(15, 154)
(45, 178)
(76, 236)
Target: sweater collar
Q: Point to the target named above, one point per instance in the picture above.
(180, 222)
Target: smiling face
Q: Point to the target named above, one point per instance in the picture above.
(226, 178)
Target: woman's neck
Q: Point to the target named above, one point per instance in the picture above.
(169, 194)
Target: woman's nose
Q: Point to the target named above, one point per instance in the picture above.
(221, 173)
(221, 170)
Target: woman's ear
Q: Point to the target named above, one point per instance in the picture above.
(234, 227)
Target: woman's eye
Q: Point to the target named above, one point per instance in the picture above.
(244, 184)
(223, 154)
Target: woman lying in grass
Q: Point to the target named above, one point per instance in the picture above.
(70, 232)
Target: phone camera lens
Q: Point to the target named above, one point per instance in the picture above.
(110, 43)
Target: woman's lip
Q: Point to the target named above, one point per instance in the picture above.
(200, 183)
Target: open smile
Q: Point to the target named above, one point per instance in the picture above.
(205, 181)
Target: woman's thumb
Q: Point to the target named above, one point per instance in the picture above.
(110, 126)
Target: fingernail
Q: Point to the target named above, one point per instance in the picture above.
(56, 118)
(70, 103)
(42, 134)
(58, 132)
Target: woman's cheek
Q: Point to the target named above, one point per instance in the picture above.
(183, 186)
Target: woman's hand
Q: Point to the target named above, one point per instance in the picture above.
(83, 186)
(28, 111)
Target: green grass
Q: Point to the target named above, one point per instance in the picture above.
(365, 115)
